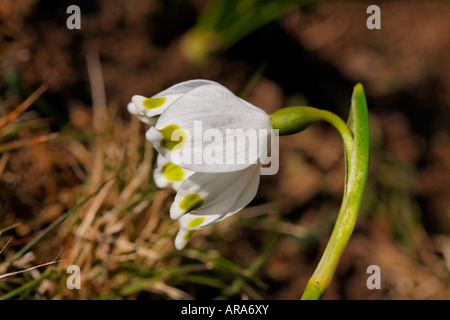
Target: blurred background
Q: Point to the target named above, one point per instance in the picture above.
(67, 139)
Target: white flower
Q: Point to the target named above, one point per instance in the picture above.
(210, 145)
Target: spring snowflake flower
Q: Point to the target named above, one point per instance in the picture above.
(211, 145)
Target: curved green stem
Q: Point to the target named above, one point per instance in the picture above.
(356, 145)
(292, 120)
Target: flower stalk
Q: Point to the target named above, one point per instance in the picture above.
(355, 135)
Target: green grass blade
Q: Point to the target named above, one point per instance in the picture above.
(28, 285)
(240, 282)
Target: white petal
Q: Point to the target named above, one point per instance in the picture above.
(153, 106)
(212, 107)
(169, 174)
(182, 238)
(183, 87)
(149, 120)
(215, 195)
(169, 95)
(132, 109)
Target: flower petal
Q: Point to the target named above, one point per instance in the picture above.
(183, 87)
(149, 120)
(205, 198)
(182, 238)
(169, 174)
(210, 117)
(155, 105)
(152, 107)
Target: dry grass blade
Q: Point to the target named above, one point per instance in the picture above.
(10, 227)
(3, 162)
(97, 89)
(6, 244)
(28, 142)
(141, 175)
(87, 220)
(81, 249)
(24, 106)
(27, 286)
(55, 224)
(29, 269)
(172, 292)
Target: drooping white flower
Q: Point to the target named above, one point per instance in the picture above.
(210, 145)
(207, 128)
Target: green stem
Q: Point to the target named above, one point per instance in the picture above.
(356, 144)
(292, 120)
(357, 171)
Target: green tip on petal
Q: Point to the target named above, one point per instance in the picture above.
(167, 133)
(153, 103)
(172, 172)
(191, 202)
(195, 222)
(188, 234)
